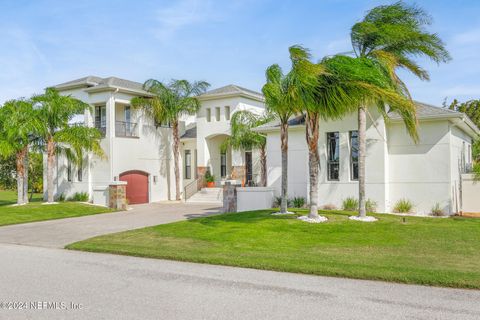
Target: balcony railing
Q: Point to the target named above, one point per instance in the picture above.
(101, 125)
(126, 129)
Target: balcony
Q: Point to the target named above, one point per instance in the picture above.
(126, 129)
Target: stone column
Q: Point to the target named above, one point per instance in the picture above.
(238, 173)
(229, 197)
(117, 195)
(201, 171)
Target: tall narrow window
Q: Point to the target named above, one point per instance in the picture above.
(209, 115)
(333, 153)
(188, 164)
(80, 171)
(69, 171)
(223, 164)
(354, 155)
(195, 163)
(227, 113)
(101, 119)
(469, 153)
(217, 114)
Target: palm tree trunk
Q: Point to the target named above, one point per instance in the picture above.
(312, 134)
(284, 148)
(50, 165)
(25, 176)
(263, 166)
(362, 149)
(176, 143)
(20, 167)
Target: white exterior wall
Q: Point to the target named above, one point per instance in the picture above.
(459, 156)
(150, 152)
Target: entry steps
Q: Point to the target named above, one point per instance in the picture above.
(207, 195)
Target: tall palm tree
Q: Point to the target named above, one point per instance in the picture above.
(18, 123)
(281, 101)
(243, 138)
(57, 135)
(168, 104)
(392, 36)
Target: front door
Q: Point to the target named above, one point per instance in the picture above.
(248, 168)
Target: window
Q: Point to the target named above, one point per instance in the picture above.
(469, 153)
(209, 115)
(128, 116)
(69, 171)
(101, 119)
(354, 155)
(227, 113)
(80, 172)
(333, 153)
(188, 165)
(223, 165)
(195, 163)
(217, 114)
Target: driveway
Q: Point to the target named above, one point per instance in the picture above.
(105, 286)
(59, 233)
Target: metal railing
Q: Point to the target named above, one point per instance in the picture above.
(190, 189)
(126, 129)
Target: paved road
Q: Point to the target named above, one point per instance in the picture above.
(59, 233)
(119, 287)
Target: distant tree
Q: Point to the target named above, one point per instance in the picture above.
(8, 179)
(471, 108)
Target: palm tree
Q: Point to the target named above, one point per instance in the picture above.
(392, 36)
(57, 135)
(280, 100)
(168, 104)
(18, 123)
(243, 138)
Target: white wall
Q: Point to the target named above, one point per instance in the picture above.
(257, 198)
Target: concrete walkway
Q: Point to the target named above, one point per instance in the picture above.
(59, 233)
(103, 286)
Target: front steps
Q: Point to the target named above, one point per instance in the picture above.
(207, 195)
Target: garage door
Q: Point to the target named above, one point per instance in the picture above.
(137, 186)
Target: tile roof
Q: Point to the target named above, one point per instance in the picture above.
(232, 89)
(190, 133)
(427, 111)
(97, 82)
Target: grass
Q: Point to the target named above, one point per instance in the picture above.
(439, 252)
(36, 211)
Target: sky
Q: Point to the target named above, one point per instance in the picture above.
(43, 43)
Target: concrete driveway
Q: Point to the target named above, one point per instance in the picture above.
(59, 233)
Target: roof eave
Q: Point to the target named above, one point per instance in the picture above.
(229, 95)
(102, 88)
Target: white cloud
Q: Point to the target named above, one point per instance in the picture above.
(468, 38)
(180, 15)
(463, 90)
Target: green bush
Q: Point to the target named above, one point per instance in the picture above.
(79, 196)
(298, 202)
(437, 210)
(403, 206)
(209, 177)
(350, 204)
(371, 205)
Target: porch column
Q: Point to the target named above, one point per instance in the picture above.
(110, 130)
(238, 166)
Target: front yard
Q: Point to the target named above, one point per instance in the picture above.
(440, 252)
(36, 211)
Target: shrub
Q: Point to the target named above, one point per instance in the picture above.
(371, 205)
(277, 202)
(61, 197)
(403, 206)
(79, 196)
(350, 204)
(437, 210)
(329, 206)
(209, 177)
(298, 202)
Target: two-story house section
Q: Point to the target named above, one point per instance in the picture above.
(202, 140)
(135, 149)
(140, 153)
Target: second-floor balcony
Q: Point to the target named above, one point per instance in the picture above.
(126, 129)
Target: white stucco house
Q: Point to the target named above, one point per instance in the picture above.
(140, 153)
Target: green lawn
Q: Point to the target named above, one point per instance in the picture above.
(440, 252)
(36, 211)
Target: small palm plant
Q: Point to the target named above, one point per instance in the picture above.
(350, 204)
(403, 206)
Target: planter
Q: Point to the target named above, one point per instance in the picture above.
(211, 184)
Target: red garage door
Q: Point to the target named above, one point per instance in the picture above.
(137, 186)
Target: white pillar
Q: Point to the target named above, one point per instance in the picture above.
(110, 134)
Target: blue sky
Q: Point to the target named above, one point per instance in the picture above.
(48, 42)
